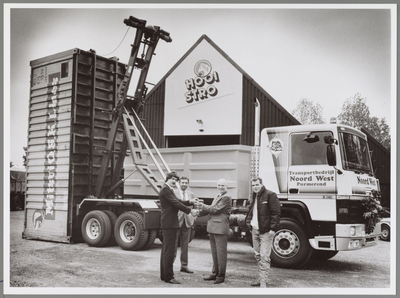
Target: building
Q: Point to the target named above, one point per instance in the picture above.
(207, 99)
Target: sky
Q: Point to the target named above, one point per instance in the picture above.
(324, 53)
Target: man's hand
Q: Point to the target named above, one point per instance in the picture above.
(199, 205)
(194, 212)
(194, 201)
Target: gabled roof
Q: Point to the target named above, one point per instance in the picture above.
(205, 37)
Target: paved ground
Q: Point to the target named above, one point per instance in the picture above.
(39, 266)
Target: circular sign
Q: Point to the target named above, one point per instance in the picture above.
(202, 68)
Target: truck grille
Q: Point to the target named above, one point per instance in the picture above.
(354, 214)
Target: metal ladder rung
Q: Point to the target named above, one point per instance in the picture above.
(134, 143)
(149, 176)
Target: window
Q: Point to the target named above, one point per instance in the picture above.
(355, 153)
(308, 152)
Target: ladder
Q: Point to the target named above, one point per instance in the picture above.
(149, 37)
(134, 139)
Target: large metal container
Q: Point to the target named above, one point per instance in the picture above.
(203, 166)
(72, 96)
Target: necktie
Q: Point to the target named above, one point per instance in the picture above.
(184, 195)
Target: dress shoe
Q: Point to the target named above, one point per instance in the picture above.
(211, 277)
(173, 281)
(219, 280)
(186, 269)
(255, 283)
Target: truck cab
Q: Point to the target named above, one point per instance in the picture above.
(321, 174)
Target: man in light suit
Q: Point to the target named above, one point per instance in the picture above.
(186, 222)
(218, 228)
(170, 205)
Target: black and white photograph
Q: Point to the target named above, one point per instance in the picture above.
(204, 149)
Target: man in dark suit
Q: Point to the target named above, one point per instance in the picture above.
(186, 222)
(218, 228)
(170, 205)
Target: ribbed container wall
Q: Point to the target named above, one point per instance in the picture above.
(72, 96)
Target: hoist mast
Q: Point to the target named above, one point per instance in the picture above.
(149, 37)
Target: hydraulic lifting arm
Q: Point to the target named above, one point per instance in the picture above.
(149, 36)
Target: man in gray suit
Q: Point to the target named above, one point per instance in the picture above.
(186, 222)
(218, 228)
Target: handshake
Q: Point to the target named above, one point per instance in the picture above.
(195, 212)
(197, 206)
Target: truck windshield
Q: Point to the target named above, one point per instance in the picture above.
(355, 153)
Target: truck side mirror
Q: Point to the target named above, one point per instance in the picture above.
(331, 155)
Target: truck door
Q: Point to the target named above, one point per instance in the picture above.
(310, 178)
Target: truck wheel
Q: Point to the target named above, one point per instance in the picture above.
(385, 233)
(129, 231)
(290, 247)
(96, 228)
(150, 240)
(113, 219)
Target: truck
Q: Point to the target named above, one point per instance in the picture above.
(93, 172)
(17, 188)
(321, 174)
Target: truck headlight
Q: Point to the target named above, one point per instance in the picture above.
(352, 231)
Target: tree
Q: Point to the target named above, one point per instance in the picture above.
(355, 113)
(308, 113)
(24, 158)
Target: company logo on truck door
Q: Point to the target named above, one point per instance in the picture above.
(51, 149)
(201, 87)
(276, 146)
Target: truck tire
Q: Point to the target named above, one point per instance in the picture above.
(385, 233)
(113, 219)
(129, 231)
(96, 228)
(150, 241)
(290, 246)
(323, 255)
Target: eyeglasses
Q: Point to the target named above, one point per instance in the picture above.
(175, 179)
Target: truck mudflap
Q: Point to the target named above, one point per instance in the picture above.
(348, 237)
